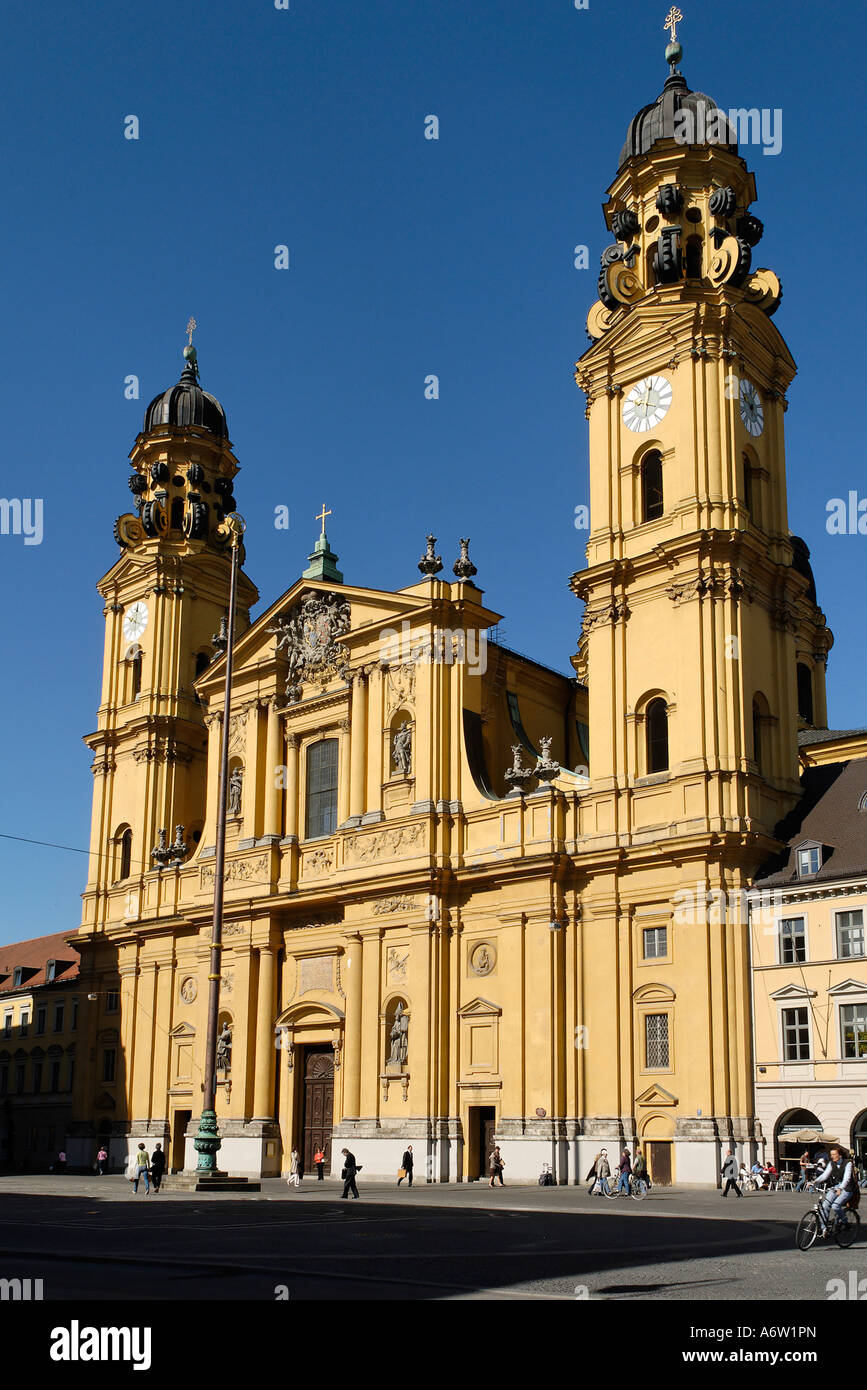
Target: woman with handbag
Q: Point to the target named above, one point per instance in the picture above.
(294, 1178)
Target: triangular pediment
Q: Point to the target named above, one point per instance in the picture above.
(371, 612)
(849, 987)
(794, 992)
(656, 1095)
(478, 1007)
(183, 1030)
(104, 1101)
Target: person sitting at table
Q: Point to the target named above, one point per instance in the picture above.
(771, 1173)
(804, 1164)
(757, 1173)
(743, 1173)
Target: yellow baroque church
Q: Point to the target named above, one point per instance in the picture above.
(451, 872)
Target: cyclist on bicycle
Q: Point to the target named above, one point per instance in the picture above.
(625, 1172)
(842, 1186)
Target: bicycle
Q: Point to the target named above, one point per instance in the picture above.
(817, 1222)
(637, 1189)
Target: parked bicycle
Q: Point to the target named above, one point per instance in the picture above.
(819, 1223)
(637, 1189)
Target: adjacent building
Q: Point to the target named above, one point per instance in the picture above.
(809, 955)
(41, 1015)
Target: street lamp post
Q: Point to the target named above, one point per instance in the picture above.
(207, 1141)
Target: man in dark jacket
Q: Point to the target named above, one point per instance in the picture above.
(158, 1166)
(730, 1174)
(406, 1165)
(350, 1168)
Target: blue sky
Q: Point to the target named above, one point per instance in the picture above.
(305, 127)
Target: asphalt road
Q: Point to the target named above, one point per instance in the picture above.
(90, 1238)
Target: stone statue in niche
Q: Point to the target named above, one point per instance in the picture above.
(401, 750)
(224, 1050)
(236, 787)
(399, 1037)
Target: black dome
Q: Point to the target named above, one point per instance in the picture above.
(801, 564)
(657, 121)
(187, 404)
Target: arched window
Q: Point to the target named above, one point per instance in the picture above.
(693, 258)
(748, 484)
(651, 486)
(126, 854)
(650, 265)
(656, 728)
(805, 693)
(136, 674)
(177, 513)
(322, 788)
(203, 661)
(757, 735)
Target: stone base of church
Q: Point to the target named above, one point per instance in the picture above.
(437, 1148)
(248, 1148)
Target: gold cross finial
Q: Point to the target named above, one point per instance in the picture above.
(672, 20)
(191, 326)
(321, 517)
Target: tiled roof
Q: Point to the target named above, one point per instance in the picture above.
(827, 814)
(34, 956)
(807, 737)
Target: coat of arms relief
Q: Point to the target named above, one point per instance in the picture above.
(308, 636)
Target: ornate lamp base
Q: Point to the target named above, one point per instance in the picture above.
(207, 1142)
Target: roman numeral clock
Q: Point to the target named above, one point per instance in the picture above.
(647, 403)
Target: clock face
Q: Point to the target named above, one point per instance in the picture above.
(647, 403)
(752, 413)
(135, 620)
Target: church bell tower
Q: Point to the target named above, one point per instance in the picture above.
(701, 619)
(166, 600)
(702, 644)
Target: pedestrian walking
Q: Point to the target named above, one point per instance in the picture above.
(730, 1174)
(602, 1172)
(496, 1164)
(591, 1176)
(101, 1160)
(625, 1172)
(294, 1178)
(140, 1169)
(639, 1167)
(804, 1165)
(61, 1162)
(158, 1166)
(350, 1168)
(405, 1170)
(319, 1163)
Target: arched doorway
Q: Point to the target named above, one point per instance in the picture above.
(309, 1038)
(657, 1146)
(317, 1104)
(786, 1150)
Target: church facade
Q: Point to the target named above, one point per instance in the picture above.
(454, 877)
